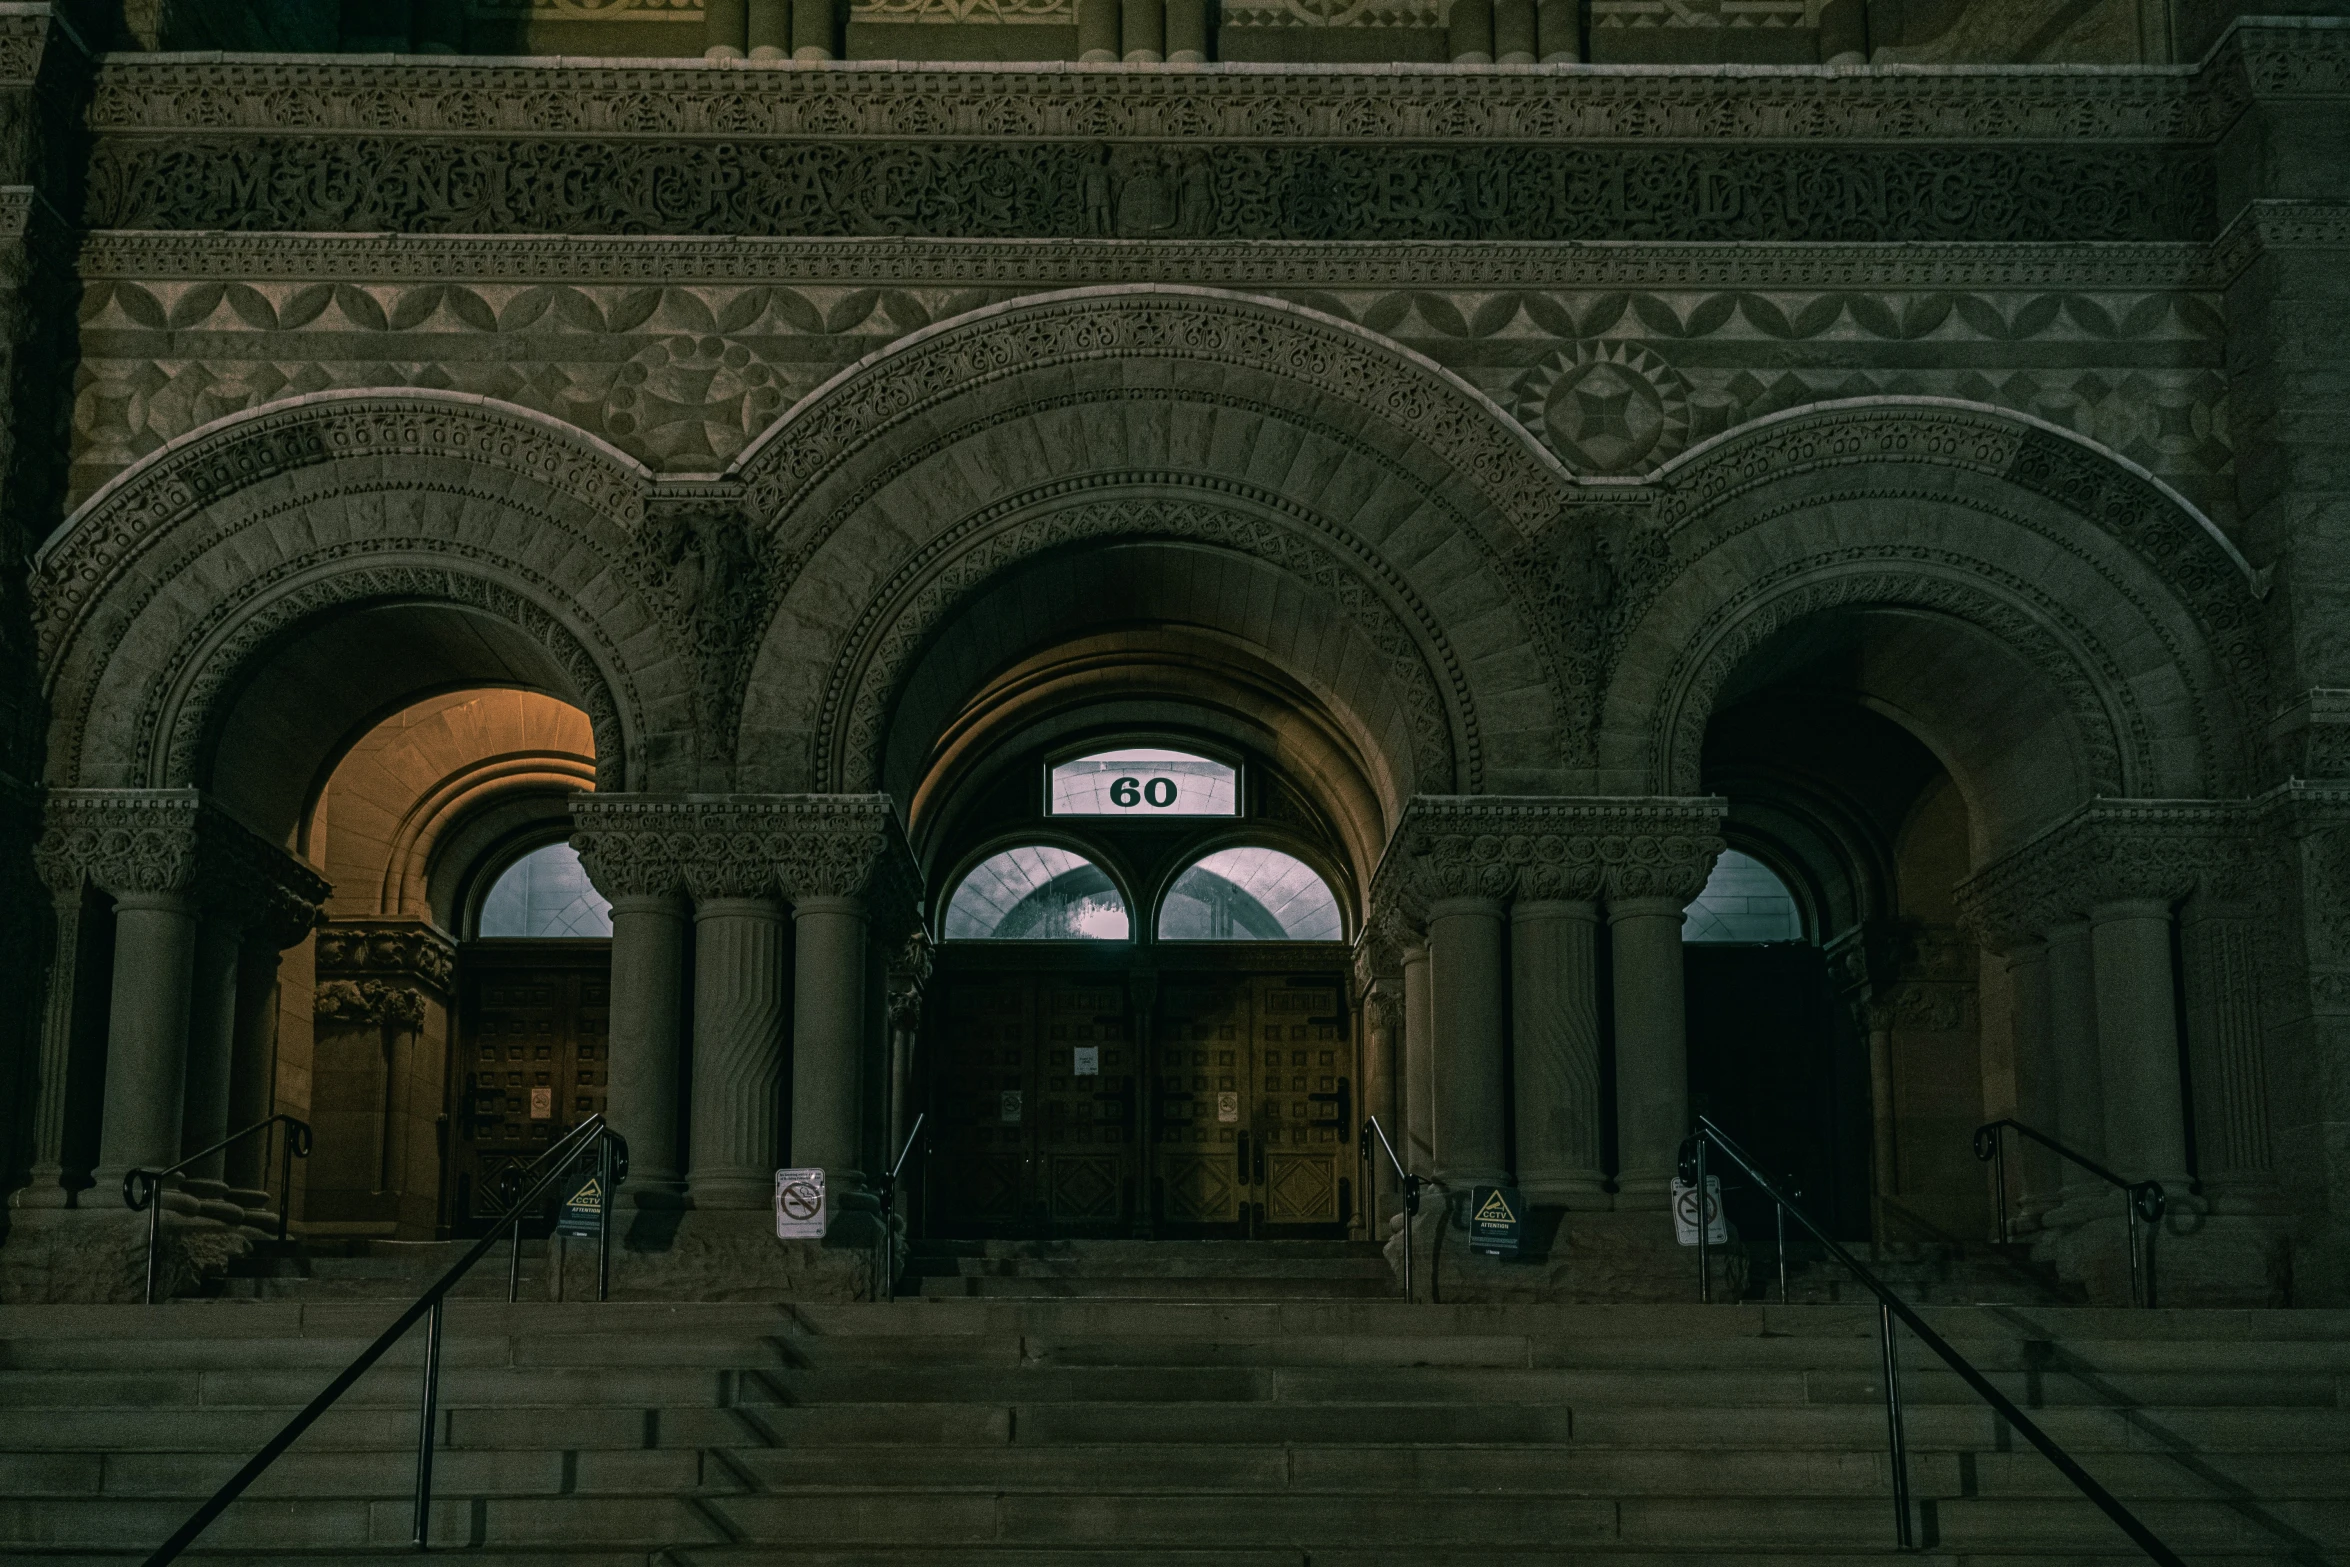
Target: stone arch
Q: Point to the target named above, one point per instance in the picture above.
(1347, 456)
(165, 596)
(2131, 612)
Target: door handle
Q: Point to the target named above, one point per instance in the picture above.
(1244, 1158)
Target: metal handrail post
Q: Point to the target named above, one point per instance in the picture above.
(1999, 1177)
(1411, 1195)
(154, 1221)
(285, 1181)
(1896, 1442)
(604, 1220)
(886, 1288)
(2130, 1229)
(424, 1426)
(1779, 1212)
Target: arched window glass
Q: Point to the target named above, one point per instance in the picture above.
(545, 894)
(1742, 901)
(1036, 893)
(1250, 895)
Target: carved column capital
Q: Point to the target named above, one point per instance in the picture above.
(383, 971)
(131, 842)
(792, 846)
(1550, 847)
(2122, 851)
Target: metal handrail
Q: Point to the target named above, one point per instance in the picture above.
(1411, 1194)
(612, 1154)
(886, 1287)
(142, 1185)
(2141, 1200)
(1891, 1306)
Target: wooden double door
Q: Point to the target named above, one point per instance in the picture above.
(1063, 1104)
(532, 1061)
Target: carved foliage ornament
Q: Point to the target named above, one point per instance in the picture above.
(410, 949)
(1279, 190)
(153, 841)
(745, 846)
(1530, 847)
(2125, 850)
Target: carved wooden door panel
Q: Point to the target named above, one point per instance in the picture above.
(1201, 1162)
(984, 1048)
(1086, 1072)
(1302, 1165)
(533, 1060)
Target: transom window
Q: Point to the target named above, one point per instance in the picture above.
(1250, 895)
(545, 895)
(1144, 781)
(1036, 893)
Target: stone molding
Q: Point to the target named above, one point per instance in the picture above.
(411, 949)
(790, 847)
(152, 841)
(878, 261)
(1400, 102)
(1500, 846)
(2112, 851)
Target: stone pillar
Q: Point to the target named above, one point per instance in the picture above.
(1559, 28)
(252, 1085)
(2034, 1179)
(648, 1020)
(724, 25)
(1469, 27)
(1142, 31)
(1097, 32)
(212, 1028)
(811, 29)
(2138, 1043)
(1554, 976)
(146, 1037)
(828, 1042)
(768, 29)
(1466, 970)
(738, 1052)
(70, 914)
(1380, 1057)
(1187, 32)
(1419, 1049)
(2072, 1032)
(1513, 32)
(1652, 1047)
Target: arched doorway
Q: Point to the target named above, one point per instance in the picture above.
(1142, 1022)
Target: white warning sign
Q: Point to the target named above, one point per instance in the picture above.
(799, 1205)
(1717, 1228)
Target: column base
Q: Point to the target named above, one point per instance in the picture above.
(731, 1255)
(98, 1256)
(2191, 1259)
(1570, 1258)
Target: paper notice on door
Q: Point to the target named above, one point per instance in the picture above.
(1228, 1107)
(1089, 1060)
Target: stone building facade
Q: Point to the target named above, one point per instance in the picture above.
(1546, 444)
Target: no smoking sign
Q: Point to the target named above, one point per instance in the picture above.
(1685, 1213)
(799, 1205)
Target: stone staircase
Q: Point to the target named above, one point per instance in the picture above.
(1147, 1270)
(1082, 1432)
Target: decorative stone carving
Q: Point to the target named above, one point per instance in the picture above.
(370, 1001)
(411, 949)
(173, 840)
(1494, 846)
(2118, 850)
(744, 846)
(720, 588)
(908, 981)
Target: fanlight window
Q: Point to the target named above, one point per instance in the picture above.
(1036, 893)
(1742, 901)
(545, 894)
(1250, 895)
(1141, 781)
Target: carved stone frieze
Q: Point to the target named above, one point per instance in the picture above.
(2125, 850)
(409, 949)
(747, 846)
(1497, 846)
(381, 1002)
(131, 841)
(1279, 190)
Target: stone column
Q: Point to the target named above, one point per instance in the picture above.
(2072, 1033)
(1554, 977)
(146, 1037)
(70, 915)
(739, 1016)
(768, 29)
(724, 27)
(828, 1042)
(2138, 1043)
(1466, 970)
(648, 1021)
(1652, 1047)
(811, 29)
(212, 1027)
(1380, 1011)
(1419, 1049)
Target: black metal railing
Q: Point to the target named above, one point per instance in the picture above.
(142, 1187)
(2142, 1201)
(592, 1137)
(1412, 1185)
(886, 1287)
(1892, 1308)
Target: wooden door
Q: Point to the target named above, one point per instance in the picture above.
(1033, 1089)
(1255, 1092)
(534, 1055)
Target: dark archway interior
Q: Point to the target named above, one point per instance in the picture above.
(313, 694)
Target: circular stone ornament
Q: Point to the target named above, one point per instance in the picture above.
(1606, 407)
